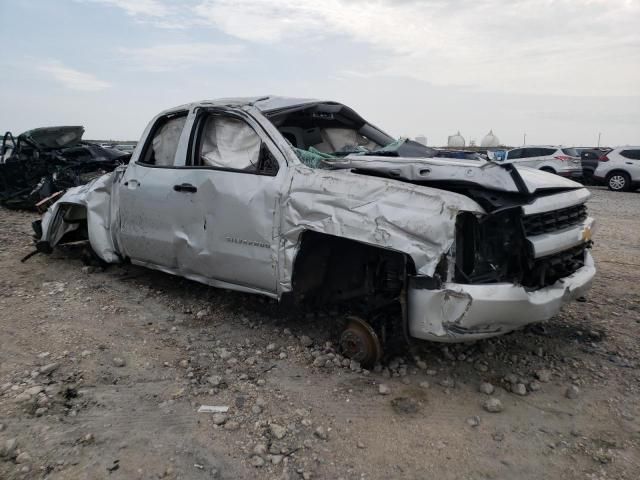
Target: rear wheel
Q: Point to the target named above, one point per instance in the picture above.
(618, 181)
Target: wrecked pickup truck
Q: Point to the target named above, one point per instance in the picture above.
(44, 161)
(305, 200)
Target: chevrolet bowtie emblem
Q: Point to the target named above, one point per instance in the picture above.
(586, 234)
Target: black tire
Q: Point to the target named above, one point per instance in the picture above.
(619, 182)
(548, 169)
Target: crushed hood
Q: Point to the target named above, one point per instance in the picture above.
(490, 175)
(48, 138)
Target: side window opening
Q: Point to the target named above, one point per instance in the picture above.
(161, 150)
(517, 153)
(631, 154)
(229, 143)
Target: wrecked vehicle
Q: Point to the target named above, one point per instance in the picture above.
(44, 161)
(305, 200)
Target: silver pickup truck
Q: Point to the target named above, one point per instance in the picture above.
(305, 200)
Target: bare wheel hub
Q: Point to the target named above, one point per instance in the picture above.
(360, 342)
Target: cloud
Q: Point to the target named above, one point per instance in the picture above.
(73, 79)
(150, 8)
(524, 46)
(556, 47)
(180, 56)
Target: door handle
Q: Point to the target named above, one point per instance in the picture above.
(185, 187)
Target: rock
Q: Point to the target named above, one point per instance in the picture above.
(306, 341)
(282, 355)
(277, 431)
(511, 378)
(321, 433)
(534, 386)
(260, 449)
(87, 269)
(183, 363)
(486, 388)
(492, 405)
(31, 391)
(8, 449)
(24, 457)
(47, 369)
(85, 353)
(257, 461)
(231, 425)
(224, 354)
(473, 421)
(202, 314)
(214, 380)
(360, 445)
(543, 375)
(219, 418)
(119, 362)
(271, 347)
(519, 389)
(276, 459)
(383, 389)
(447, 382)
(572, 392)
(421, 364)
(256, 409)
(424, 384)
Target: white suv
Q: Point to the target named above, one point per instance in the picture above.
(619, 169)
(561, 161)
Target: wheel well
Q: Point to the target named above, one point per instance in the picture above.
(334, 270)
(618, 171)
(74, 214)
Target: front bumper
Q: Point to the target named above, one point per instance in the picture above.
(459, 313)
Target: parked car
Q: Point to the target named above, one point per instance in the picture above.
(561, 161)
(619, 169)
(589, 157)
(306, 200)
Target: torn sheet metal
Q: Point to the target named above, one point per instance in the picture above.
(412, 219)
(101, 209)
(47, 160)
(485, 174)
(470, 312)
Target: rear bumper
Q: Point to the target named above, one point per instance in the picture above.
(571, 172)
(459, 313)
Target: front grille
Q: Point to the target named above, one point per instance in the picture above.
(554, 220)
(548, 270)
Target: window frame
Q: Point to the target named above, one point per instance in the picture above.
(637, 151)
(148, 143)
(195, 142)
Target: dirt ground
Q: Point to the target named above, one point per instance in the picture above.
(102, 374)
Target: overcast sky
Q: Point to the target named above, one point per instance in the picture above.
(561, 71)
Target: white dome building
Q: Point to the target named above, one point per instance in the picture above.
(456, 141)
(490, 140)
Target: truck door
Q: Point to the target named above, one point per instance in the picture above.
(148, 203)
(211, 212)
(230, 216)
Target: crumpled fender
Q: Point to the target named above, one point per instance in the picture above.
(99, 199)
(416, 220)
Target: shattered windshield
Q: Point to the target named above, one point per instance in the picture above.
(325, 131)
(401, 147)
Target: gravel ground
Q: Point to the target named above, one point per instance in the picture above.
(102, 374)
